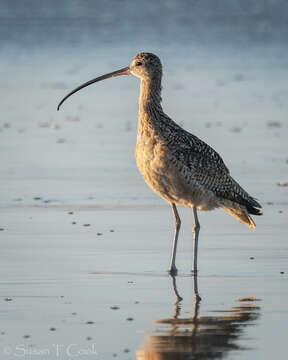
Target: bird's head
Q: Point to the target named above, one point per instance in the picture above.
(144, 65)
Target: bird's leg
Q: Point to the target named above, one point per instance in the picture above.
(196, 228)
(177, 224)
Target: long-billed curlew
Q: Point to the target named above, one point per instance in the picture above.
(177, 165)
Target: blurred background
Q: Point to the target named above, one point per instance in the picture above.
(225, 79)
(69, 23)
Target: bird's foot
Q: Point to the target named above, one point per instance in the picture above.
(173, 271)
(197, 298)
(194, 272)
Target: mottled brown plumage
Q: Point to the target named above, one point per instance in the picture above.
(177, 165)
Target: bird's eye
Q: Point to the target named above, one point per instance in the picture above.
(139, 63)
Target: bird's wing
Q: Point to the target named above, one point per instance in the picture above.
(194, 153)
(206, 168)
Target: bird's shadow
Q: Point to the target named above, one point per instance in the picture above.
(198, 337)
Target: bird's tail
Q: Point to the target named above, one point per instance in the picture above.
(241, 212)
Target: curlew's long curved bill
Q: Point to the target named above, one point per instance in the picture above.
(124, 71)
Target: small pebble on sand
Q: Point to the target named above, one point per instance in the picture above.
(70, 212)
(274, 124)
(8, 299)
(26, 336)
(52, 329)
(129, 319)
(235, 129)
(1, 229)
(89, 322)
(99, 234)
(115, 307)
(282, 272)
(86, 225)
(74, 222)
(251, 258)
(283, 184)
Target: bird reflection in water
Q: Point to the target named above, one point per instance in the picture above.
(198, 337)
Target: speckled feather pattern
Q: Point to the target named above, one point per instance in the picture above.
(176, 164)
(203, 165)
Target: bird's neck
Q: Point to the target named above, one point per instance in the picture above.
(150, 109)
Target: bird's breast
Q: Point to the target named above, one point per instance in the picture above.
(157, 166)
(151, 155)
(154, 163)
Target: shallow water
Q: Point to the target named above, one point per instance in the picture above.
(84, 242)
(111, 292)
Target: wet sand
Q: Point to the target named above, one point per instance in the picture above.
(70, 290)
